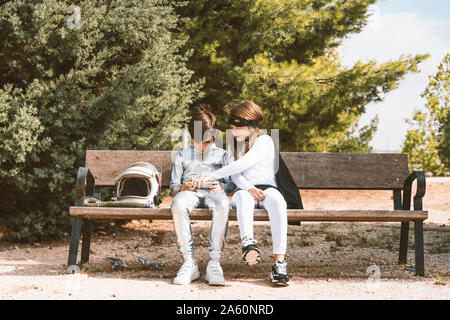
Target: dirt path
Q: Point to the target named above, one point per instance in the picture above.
(86, 287)
(326, 260)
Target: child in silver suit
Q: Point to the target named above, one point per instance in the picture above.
(200, 158)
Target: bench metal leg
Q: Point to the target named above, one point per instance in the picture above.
(404, 234)
(73, 248)
(418, 244)
(404, 231)
(86, 244)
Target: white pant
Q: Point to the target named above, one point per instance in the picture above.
(275, 205)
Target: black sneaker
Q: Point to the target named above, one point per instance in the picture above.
(250, 252)
(278, 275)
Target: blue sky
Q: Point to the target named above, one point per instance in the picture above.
(429, 9)
(399, 27)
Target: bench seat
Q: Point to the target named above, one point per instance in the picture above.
(315, 171)
(259, 214)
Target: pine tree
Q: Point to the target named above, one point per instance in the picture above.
(427, 143)
(282, 55)
(111, 78)
(444, 144)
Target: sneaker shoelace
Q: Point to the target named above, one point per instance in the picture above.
(215, 269)
(248, 241)
(281, 268)
(185, 268)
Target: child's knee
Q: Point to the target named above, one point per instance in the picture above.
(274, 197)
(242, 195)
(179, 205)
(221, 205)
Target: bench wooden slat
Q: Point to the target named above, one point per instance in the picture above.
(310, 170)
(259, 214)
(373, 171)
(106, 165)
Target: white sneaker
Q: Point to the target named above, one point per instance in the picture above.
(279, 275)
(250, 252)
(187, 273)
(214, 274)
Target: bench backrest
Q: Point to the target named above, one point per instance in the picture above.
(310, 170)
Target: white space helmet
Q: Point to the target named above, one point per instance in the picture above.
(140, 183)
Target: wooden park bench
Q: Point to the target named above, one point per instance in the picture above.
(331, 171)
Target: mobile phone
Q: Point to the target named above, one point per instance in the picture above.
(207, 184)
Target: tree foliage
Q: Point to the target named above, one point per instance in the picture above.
(126, 78)
(117, 82)
(282, 55)
(444, 144)
(428, 142)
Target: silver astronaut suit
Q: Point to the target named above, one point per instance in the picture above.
(190, 163)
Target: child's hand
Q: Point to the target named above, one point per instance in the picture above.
(215, 186)
(187, 186)
(199, 183)
(257, 194)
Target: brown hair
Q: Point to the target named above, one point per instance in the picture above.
(247, 110)
(203, 114)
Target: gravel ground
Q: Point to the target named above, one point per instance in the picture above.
(326, 260)
(85, 287)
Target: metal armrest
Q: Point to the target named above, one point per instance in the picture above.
(85, 185)
(420, 176)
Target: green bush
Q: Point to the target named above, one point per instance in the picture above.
(116, 82)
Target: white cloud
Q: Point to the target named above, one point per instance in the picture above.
(387, 37)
